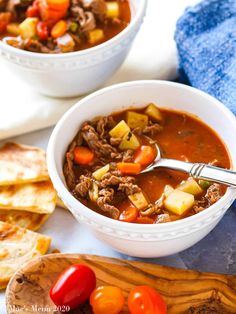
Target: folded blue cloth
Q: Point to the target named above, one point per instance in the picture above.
(206, 42)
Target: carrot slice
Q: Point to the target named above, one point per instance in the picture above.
(130, 214)
(59, 29)
(144, 155)
(129, 167)
(144, 220)
(60, 5)
(83, 155)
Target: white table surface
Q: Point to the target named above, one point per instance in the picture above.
(67, 234)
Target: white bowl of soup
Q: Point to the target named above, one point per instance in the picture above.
(186, 123)
(75, 53)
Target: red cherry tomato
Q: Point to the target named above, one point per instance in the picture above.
(73, 287)
(146, 300)
(42, 30)
(107, 299)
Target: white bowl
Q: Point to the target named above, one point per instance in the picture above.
(135, 239)
(74, 73)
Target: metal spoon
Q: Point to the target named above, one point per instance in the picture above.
(196, 170)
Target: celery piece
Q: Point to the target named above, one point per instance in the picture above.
(74, 27)
(204, 184)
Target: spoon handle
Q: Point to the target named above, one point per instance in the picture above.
(198, 171)
(211, 173)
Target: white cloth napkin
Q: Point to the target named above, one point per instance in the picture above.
(153, 56)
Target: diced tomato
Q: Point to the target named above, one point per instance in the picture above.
(42, 30)
(5, 18)
(32, 11)
(144, 220)
(144, 155)
(129, 214)
(146, 300)
(83, 155)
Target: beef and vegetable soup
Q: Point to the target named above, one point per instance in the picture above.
(104, 162)
(58, 26)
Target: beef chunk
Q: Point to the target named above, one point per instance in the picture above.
(110, 179)
(69, 171)
(199, 206)
(98, 7)
(154, 209)
(17, 6)
(88, 23)
(35, 46)
(115, 141)
(104, 202)
(124, 184)
(152, 129)
(213, 193)
(128, 155)
(212, 196)
(91, 137)
(83, 186)
(128, 188)
(125, 156)
(104, 125)
(85, 19)
(163, 218)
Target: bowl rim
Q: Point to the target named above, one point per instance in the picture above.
(103, 46)
(104, 221)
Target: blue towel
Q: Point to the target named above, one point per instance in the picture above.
(206, 42)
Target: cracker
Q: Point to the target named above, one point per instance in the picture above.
(23, 219)
(22, 164)
(18, 246)
(39, 197)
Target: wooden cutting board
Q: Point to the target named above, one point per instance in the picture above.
(185, 291)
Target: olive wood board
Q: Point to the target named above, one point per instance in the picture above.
(185, 291)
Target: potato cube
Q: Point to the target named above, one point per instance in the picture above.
(120, 129)
(129, 141)
(139, 200)
(95, 36)
(135, 120)
(153, 112)
(13, 29)
(93, 192)
(190, 186)
(66, 43)
(167, 190)
(28, 27)
(98, 174)
(179, 202)
(113, 9)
